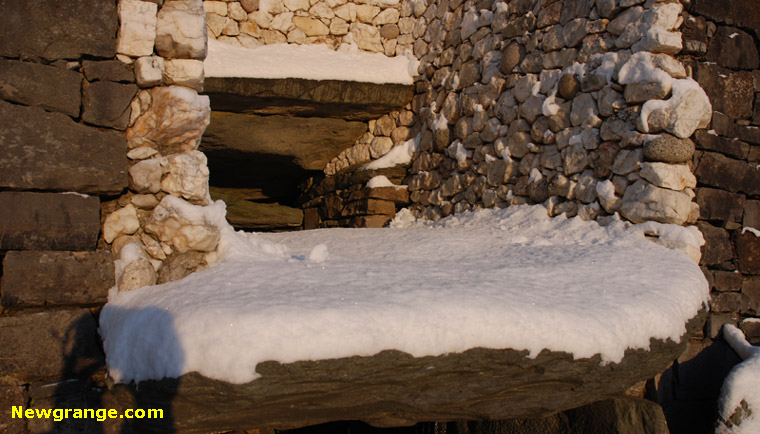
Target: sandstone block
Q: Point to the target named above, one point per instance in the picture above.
(717, 248)
(107, 70)
(643, 201)
(11, 396)
(722, 172)
(715, 204)
(137, 33)
(181, 30)
(370, 206)
(107, 104)
(49, 151)
(731, 147)
(48, 221)
(741, 13)
(53, 30)
(733, 48)
(49, 87)
(50, 345)
(730, 92)
(748, 252)
(45, 278)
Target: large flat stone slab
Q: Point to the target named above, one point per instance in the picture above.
(49, 151)
(395, 389)
(43, 278)
(243, 213)
(48, 221)
(299, 97)
(41, 85)
(54, 29)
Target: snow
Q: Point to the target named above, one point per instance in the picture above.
(605, 190)
(400, 154)
(511, 278)
(751, 230)
(741, 384)
(311, 62)
(383, 181)
(733, 35)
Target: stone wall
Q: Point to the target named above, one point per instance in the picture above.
(64, 107)
(151, 229)
(381, 26)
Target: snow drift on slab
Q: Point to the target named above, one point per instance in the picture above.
(511, 278)
(311, 62)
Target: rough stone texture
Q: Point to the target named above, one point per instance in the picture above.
(748, 253)
(249, 215)
(741, 13)
(107, 104)
(48, 221)
(643, 201)
(715, 204)
(181, 30)
(733, 48)
(55, 278)
(11, 396)
(730, 147)
(42, 150)
(730, 92)
(722, 172)
(187, 177)
(35, 84)
(52, 29)
(307, 143)
(717, 249)
(50, 345)
(137, 31)
(174, 122)
(624, 415)
(180, 265)
(669, 149)
(394, 388)
(183, 231)
(108, 70)
(299, 97)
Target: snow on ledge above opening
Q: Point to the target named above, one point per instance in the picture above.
(511, 278)
(311, 62)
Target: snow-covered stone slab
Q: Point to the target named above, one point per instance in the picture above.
(519, 313)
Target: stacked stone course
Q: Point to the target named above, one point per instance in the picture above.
(721, 49)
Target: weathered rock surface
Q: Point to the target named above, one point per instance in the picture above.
(180, 229)
(669, 149)
(173, 123)
(299, 97)
(137, 32)
(55, 344)
(181, 30)
(249, 215)
(35, 84)
(309, 142)
(623, 415)
(107, 104)
(52, 29)
(392, 388)
(108, 70)
(33, 279)
(48, 221)
(643, 201)
(42, 150)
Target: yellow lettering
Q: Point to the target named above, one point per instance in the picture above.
(89, 413)
(113, 413)
(29, 413)
(58, 414)
(68, 410)
(101, 413)
(155, 413)
(78, 413)
(140, 413)
(43, 413)
(17, 411)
